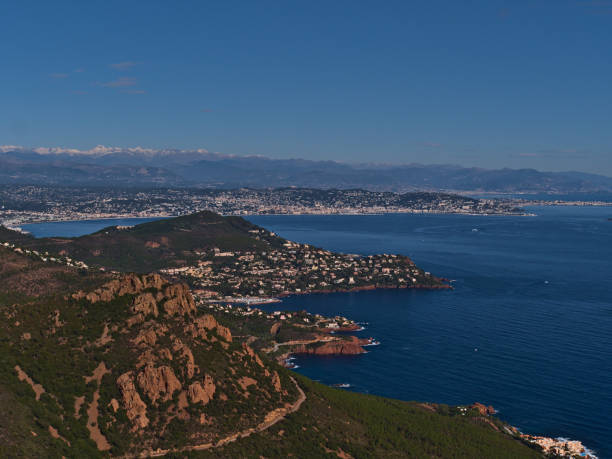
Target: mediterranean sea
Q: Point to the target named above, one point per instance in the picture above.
(527, 328)
(75, 228)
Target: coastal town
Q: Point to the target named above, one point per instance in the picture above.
(244, 261)
(28, 204)
(296, 269)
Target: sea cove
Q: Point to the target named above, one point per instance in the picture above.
(526, 328)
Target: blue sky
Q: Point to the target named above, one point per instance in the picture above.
(487, 83)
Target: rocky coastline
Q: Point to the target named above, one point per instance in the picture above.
(365, 288)
(353, 345)
(350, 346)
(551, 447)
(559, 447)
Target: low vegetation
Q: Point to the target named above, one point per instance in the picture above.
(98, 364)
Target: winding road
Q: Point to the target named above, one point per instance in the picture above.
(270, 419)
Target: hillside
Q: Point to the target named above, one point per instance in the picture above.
(229, 256)
(128, 365)
(153, 245)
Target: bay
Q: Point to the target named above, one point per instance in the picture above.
(527, 328)
(75, 228)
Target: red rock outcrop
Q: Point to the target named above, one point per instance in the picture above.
(128, 283)
(145, 304)
(249, 351)
(275, 328)
(136, 409)
(158, 382)
(246, 381)
(164, 353)
(207, 322)
(277, 382)
(148, 357)
(482, 409)
(351, 346)
(202, 392)
(146, 337)
(179, 300)
(190, 366)
(114, 405)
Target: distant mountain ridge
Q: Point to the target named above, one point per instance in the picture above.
(199, 168)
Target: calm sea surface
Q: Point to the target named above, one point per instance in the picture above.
(79, 227)
(527, 329)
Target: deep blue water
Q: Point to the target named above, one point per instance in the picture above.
(79, 227)
(527, 329)
(604, 196)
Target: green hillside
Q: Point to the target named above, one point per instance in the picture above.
(95, 365)
(227, 255)
(153, 245)
(337, 423)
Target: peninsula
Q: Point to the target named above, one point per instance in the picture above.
(229, 257)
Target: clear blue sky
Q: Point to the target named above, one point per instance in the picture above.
(489, 83)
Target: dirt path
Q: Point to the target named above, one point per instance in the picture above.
(271, 418)
(92, 412)
(37, 388)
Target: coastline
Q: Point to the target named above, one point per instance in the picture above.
(368, 288)
(555, 446)
(46, 218)
(13, 221)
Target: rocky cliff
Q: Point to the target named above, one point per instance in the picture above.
(344, 346)
(165, 374)
(129, 367)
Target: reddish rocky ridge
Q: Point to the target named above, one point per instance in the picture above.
(349, 346)
(167, 335)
